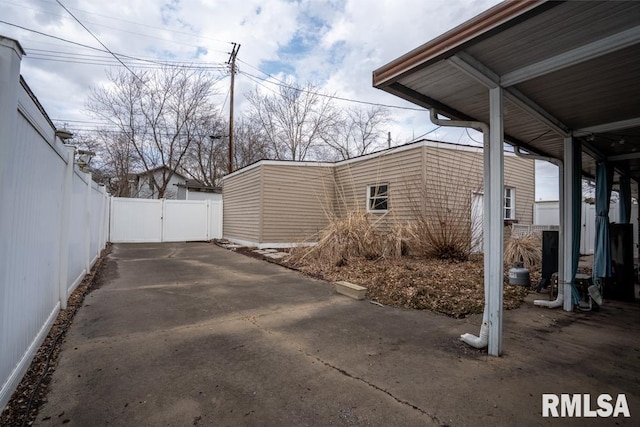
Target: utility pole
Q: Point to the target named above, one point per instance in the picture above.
(232, 62)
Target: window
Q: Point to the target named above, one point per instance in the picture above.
(378, 197)
(509, 203)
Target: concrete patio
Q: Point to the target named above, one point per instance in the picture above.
(193, 334)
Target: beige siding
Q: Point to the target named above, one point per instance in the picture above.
(400, 170)
(452, 175)
(296, 201)
(520, 174)
(289, 202)
(241, 205)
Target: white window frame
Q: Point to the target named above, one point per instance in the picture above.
(370, 197)
(512, 205)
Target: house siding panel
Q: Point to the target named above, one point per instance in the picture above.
(296, 201)
(452, 175)
(401, 170)
(519, 173)
(287, 202)
(241, 208)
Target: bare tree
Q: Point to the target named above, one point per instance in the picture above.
(118, 159)
(293, 120)
(159, 113)
(358, 131)
(249, 146)
(206, 158)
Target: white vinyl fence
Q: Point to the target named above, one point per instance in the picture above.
(548, 214)
(53, 222)
(145, 220)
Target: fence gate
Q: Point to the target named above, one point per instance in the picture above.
(148, 221)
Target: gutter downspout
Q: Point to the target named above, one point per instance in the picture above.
(482, 339)
(559, 301)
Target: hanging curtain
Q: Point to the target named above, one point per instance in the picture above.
(602, 255)
(625, 199)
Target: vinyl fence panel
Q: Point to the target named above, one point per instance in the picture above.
(146, 221)
(215, 219)
(43, 222)
(77, 231)
(185, 220)
(136, 220)
(44, 200)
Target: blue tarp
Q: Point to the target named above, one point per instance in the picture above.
(602, 253)
(625, 199)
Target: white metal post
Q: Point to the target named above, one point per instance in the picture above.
(496, 221)
(567, 223)
(562, 232)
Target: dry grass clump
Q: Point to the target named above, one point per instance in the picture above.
(526, 249)
(352, 236)
(441, 238)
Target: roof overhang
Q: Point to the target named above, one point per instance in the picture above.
(566, 69)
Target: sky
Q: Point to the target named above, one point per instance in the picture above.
(334, 44)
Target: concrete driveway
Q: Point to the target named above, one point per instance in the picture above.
(193, 334)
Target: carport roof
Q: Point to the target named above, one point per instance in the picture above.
(567, 68)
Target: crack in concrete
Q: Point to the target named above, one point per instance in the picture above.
(253, 320)
(388, 393)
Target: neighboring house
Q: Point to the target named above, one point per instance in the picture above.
(285, 203)
(142, 185)
(194, 190)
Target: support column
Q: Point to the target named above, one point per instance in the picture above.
(567, 224)
(496, 221)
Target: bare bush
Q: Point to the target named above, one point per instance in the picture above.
(442, 207)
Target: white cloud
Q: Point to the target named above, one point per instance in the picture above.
(336, 44)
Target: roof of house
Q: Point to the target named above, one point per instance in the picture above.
(375, 154)
(159, 168)
(565, 69)
(194, 184)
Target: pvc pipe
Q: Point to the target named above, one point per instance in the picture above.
(482, 339)
(559, 301)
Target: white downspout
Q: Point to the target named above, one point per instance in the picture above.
(482, 339)
(559, 301)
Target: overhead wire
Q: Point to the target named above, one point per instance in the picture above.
(280, 83)
(169, 63)
(102, 44)
(137, 24)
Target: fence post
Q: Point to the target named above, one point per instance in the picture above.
(162, 219)
(87, 226)
(101, 225)
(209, 217)
(63, 279)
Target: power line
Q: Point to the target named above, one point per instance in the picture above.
(160, 63)
(137, 24)
(102, 44)
(339, 98)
